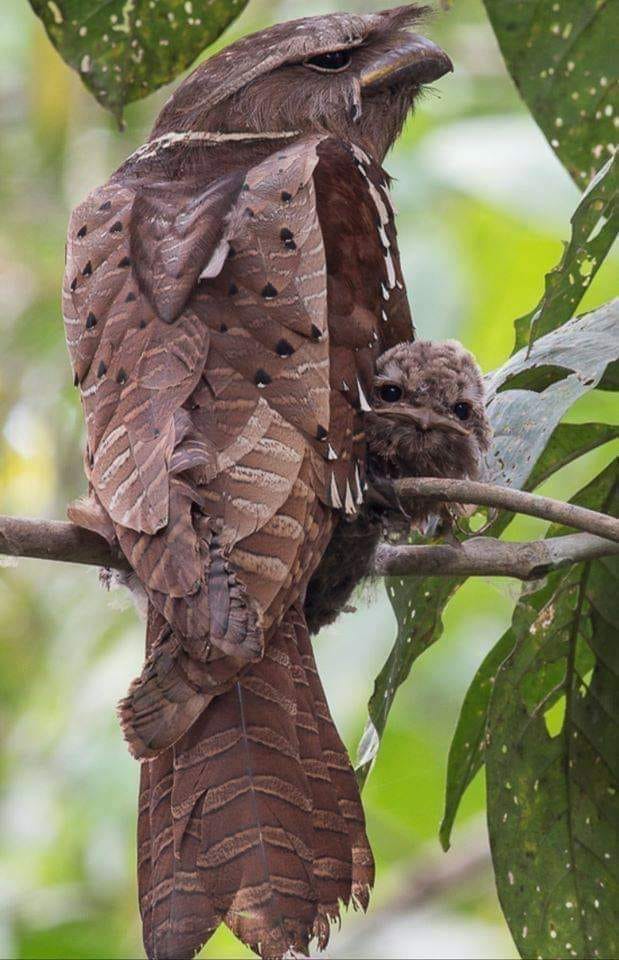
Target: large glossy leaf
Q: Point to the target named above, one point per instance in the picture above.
(552, 781)
(466, 754)
(594, 228)
(562, 57)
(523, 420)
(125, 49)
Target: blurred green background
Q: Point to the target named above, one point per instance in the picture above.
(483, 205)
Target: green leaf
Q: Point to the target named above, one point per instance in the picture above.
(569, 442)
(523, 421)
(525, 408)
(466, 754)
(562, 57)
(125, 49)
(418, 606)
(595, 224)
(552, 813)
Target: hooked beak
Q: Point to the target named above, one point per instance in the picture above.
(415, 61)
(424, 418)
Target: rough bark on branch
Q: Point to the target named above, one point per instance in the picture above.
(480, 556)
(56, 540)
(516, 501)
(487, 557)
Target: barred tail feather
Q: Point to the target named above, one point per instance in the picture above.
(264, 815)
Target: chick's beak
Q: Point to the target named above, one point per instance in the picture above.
(424, 418)
(415, 61)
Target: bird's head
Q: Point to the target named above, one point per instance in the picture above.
(428, 414)
(350, 75)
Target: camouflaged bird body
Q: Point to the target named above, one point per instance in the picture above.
(226, 296)
(224, 304)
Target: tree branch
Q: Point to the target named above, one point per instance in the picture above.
(480, 556)
(517, 501)
(55, 540)
(487, 557)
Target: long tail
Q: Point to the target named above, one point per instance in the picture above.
(253, 818)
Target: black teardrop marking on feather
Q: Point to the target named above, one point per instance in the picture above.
(91, 321)
(101, 369)
(286, 197)
(130, 297)
(122, 376)
(316, 332)
(287, 238)
(269, 292)
(321, 433)
(74, 284)
(284, 349)
(249, 212)
(116, 227)
(142, 324)
(233, 290)
(106, 206)
(262, 378)
(223, 328)
(76, 380)
(87, 271)
(231, 252)
(82, 232)
(125, 262)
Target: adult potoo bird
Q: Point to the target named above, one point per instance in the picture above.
(427, 419)
(227, 292)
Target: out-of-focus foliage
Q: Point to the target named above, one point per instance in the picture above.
(483, 207)
(125, 49)
(562, 57)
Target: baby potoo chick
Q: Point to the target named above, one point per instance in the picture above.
(428, 419)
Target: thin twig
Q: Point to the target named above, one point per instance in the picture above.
(517, 501)
(487, 557)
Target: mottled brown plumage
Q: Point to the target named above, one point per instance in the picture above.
(428, 419)
(227, 293)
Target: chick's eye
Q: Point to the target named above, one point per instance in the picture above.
(332, 60)
(390, 393)
(462, 410)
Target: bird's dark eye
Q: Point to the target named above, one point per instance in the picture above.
(462, 410)
(390, 393)
(333, 60)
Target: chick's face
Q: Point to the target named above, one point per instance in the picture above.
(428, 416)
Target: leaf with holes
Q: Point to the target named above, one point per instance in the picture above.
(562, 57)
(551, 791)
(466, 754)
(595, 224)
(523, 420)
(125, 49)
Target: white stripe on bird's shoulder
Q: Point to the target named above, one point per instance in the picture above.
(167, 140)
